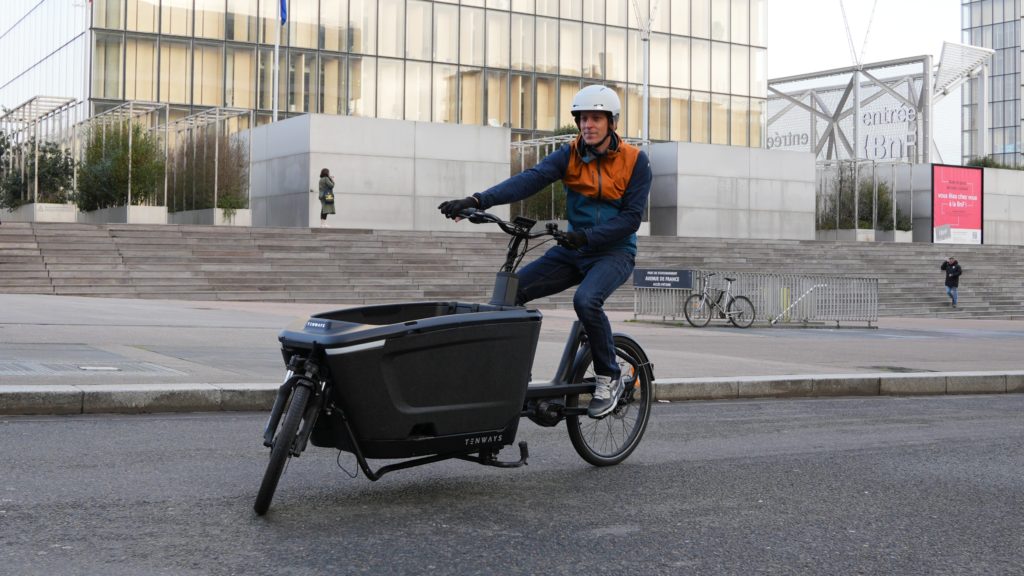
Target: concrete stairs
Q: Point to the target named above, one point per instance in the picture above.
(355, 267)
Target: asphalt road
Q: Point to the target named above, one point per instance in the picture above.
(882, 485)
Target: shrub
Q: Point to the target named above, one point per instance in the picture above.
(103, 178)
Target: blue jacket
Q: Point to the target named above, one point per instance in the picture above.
(605, 195)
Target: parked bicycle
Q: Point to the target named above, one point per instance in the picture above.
(701, 307)
(431, 381)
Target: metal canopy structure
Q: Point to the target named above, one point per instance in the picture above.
(36, 109)
(880, 111)
(42, 118)
(187, 163)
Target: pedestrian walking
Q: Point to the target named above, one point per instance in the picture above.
(326, 196)
(952, 269)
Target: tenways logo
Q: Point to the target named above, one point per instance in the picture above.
(487, 439)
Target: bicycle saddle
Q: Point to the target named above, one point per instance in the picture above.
(730, 279)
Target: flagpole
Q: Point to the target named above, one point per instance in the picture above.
(277, 58)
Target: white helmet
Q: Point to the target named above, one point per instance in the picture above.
(596, 98)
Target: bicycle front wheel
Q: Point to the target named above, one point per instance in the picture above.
(282, 447)
(697, 310)
(609, 440)
(741, 312)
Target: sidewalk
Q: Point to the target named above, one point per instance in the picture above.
(61, 354)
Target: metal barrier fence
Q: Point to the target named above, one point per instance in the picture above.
(777, 298)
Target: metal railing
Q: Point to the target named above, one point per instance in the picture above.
(777, 298)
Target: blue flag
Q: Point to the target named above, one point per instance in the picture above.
(284, 11)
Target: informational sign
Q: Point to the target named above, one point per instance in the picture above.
(648, 278)
(957, 199)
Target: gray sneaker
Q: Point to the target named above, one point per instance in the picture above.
(606, 396)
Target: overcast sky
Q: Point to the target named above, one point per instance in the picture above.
(809, 35)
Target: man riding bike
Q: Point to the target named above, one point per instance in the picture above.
(607, 184)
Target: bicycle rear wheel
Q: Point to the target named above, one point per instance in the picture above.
(609, 440)
(697, 310)
(741, 312)
(282, 447)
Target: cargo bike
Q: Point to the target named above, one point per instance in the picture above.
(417, 383)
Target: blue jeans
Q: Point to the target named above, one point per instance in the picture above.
(598, 275)
(951, 292)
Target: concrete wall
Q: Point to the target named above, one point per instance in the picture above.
(389, 174)
(703, 190)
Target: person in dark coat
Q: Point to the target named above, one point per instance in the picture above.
(326, 196)
(952, 269)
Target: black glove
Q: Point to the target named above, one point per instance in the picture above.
(572, 240)
(452, 208)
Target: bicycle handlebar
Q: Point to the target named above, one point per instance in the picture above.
(520, 227)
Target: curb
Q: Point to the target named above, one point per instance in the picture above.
(151, 398)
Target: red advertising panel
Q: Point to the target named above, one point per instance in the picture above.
(957, 194)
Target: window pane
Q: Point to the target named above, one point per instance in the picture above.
(616, 14)
(301, 85)
(390, 88)
(497, 39)
(547, 7)
(635, 58)
(571, 44)
(210, 19)
(362, 85)
(700, 18)
(333, 97)
(615, 55)
(240, 77)
(571, 10)
(472, 85)
(446, 92)
(175, 72)
(700, 65)
(265, 80)
(659, 110)
(269, 24)
(142, 15)
(525, 6)
(594, 11)
(208, 66)
(471, 37)
(521, 105)
(391, 31)
(499, 4)
(567, 90)
(417, 34)
(758, 22)
(700, 117)
(681, 18)
(680, 116)
(547, 45)
(241, 20)
(446, 42)
(719, 119)
(522, 42)
(680, 63)
(141, 68)
(108, 14)
(633, 113)
(719, 67)
(720, 20)
(758, 75)
(593, 51)
(756, 123)
(546, 104)
(417, 91)
(740, 19)
(740, 70)
(660, 63)
(497, 98)
(363, 36)
(738, 122)
(176, 17)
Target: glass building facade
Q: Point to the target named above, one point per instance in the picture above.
(514, 63)
(996, 24)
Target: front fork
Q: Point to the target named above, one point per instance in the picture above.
(301, 372)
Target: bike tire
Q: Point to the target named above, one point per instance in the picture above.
(697, 310)
(741, 312)
(611, 439)
(282, 447)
